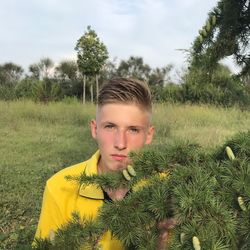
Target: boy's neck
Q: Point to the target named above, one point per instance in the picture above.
(114, 194)
(117, 194)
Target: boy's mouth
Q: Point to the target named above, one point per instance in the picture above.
(119, 157)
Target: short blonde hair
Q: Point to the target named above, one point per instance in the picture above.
(126, 90)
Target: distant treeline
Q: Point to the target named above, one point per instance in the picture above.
(45, 82)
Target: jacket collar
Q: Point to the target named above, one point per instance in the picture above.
(92, 191)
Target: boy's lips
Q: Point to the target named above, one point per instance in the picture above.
(118, 157)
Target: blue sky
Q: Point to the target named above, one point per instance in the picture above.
(152, 29)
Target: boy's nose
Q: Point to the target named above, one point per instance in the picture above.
(120, 140)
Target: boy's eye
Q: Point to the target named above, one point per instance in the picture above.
(109, 126)
(134, 130)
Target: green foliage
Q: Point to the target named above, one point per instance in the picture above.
(91, 57)
(134, 67)
(198, 190)
(24, 88)
(91, 53)
(67, 70)
(46, 91)
(202, 85)
(160, 76)
(169, 93)
(239, 144)
(10, 74)
(70, 88)
(67, 75)
(225, 33)
(42, 69)
(76, 233)
(7, 93)
(217, 87)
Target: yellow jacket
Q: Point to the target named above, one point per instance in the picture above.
(62, 197)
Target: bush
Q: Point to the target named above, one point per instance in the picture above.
(218, 88)
(169, 93)
(46, 91)
(24, 88)
(7, 92)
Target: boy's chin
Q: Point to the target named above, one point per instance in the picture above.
(118, 167)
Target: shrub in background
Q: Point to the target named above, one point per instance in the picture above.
(46, 91)
(7, 93)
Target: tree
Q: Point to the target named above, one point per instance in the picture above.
(160, 76)
(10, 76)
(10, 73)
(218, 87)
(91, 56)
(109, 70)
(66, 70)
(134, 67)
(42, 69)
(66, 73)
(225, 33)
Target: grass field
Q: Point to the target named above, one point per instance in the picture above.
(38, 140)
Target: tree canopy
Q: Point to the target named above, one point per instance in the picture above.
(10, 73)
(91, 53)
(42, 69)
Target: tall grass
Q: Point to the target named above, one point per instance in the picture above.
(38, 140)
(208, 126)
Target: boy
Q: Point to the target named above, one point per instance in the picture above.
(122, 124)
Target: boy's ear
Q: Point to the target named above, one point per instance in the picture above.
(150, 134)
(93, 127)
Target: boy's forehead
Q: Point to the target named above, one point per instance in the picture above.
(113, 106)
(113, 109)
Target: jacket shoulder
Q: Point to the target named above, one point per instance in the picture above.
(58, 181)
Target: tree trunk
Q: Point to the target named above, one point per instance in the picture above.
(84, 89)
(91, 91)
(97, 86)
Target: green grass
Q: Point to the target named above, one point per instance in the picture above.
(38, 140)
(206, 125)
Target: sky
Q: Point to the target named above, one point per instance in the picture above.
(157, 30)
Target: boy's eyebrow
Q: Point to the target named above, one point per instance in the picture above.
(139, 127)
(130, 126)
(107, 123)
(136, 126)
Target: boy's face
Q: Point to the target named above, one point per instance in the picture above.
(119, 129)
